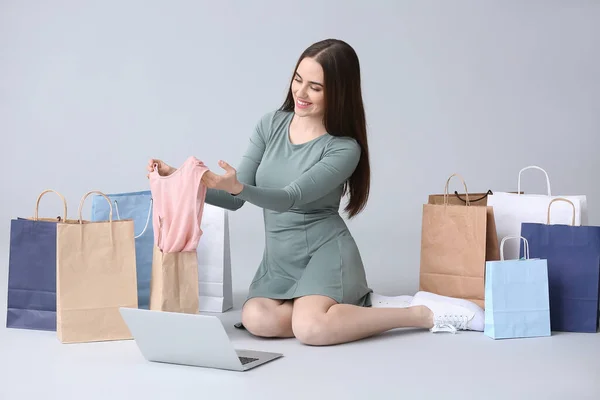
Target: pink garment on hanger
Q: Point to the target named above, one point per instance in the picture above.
(178, 203)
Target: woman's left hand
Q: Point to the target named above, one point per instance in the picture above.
(227, 182)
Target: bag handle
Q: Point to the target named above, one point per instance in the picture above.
(565, 200)
(110, 220)
(525, 243)
(37, 204)
(479, 199)
(533, 167)
(147, 218)
(467, 202)
(85, 197)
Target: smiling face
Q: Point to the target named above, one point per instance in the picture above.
(308, 89)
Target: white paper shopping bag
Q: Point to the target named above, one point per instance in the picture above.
(512, 209)
(214, 261)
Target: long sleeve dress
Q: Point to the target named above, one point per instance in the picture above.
(308, 247)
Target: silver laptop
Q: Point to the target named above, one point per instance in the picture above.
(189, 339)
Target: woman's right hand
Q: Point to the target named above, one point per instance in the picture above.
(163, 168)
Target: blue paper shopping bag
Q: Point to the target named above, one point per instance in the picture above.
(136, 206)
(573, 254)
(31, 300)
(516, 296)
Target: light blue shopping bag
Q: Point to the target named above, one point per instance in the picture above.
(517, 302)
(136, 206)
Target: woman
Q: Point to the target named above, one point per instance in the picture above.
(300, 161)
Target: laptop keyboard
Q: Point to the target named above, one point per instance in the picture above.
(246, 360)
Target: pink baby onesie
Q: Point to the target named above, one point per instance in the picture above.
(178, 203)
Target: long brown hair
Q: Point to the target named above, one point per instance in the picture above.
(344, 110)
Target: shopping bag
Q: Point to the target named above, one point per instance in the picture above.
(174, 281)
(214, 261)
(475, 199)
(511, 210)
(136, 206)
(573, 254)
(456, 241)
(95, 277)
(31, 300)
(460, 199)
(516, 296)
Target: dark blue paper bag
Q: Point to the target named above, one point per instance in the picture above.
(136, 206)
(573, 254)
(31, 302)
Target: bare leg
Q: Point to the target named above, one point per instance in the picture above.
(268, 318)
(319, 320)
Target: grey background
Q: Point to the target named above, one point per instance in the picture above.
(89, 91)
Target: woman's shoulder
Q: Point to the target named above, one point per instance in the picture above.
(344, 143)
(273, 121)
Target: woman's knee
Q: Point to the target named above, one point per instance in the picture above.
(261, 318)
(312, 320)
(311, 330)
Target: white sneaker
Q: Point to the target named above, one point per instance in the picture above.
(451, 314)
(381, 301)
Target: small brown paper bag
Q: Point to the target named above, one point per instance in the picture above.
(459, 199)
(457, 238)
(96, 275)
(174, 282)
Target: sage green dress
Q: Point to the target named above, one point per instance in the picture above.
(308, 247)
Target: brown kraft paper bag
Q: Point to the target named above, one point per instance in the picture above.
(459, 199)
(457, 238)
(174, 282)
(96, 275)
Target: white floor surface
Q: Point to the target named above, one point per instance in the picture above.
(402, 364)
